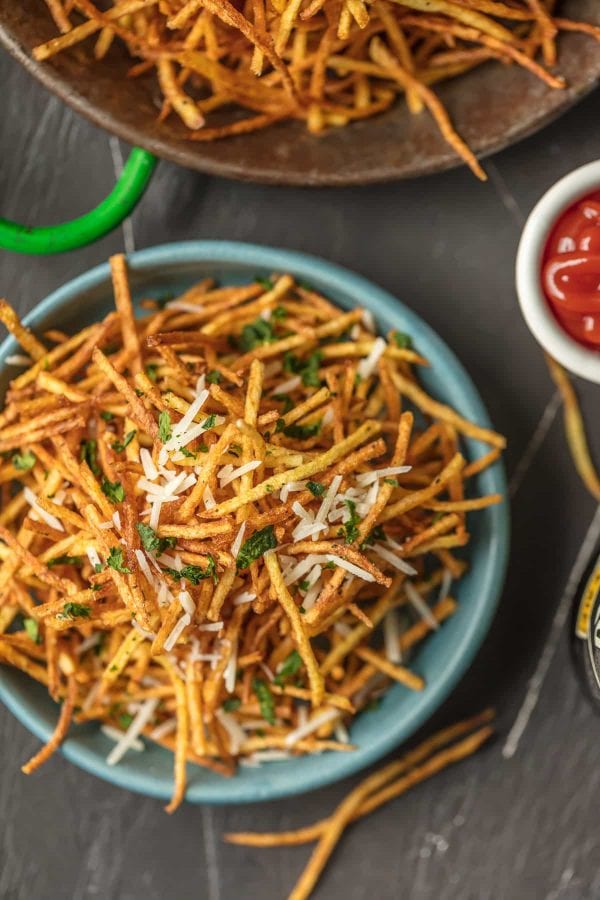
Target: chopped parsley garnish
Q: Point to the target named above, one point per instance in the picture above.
(99, 567)
(316, 488)
(392, 481)
(303, 585)
(116, 561)
(152, 372)
(125, 720)
(265, 283)
(106, 415)
(119, 446)
(291, 665)
(308, 369)
(89, 454)
(265, 700)
(114, 490)
(402, 340)
(350, 528)
(202, 448)
(32, 629)
(210, 421)
(64, 561)
(231, 704)
(165, 429)
(24, 461)
(74, 611)
(152, 542)
(256, 333)
(279, 313)
(196, 574)
(187, 453)
(256, 546)
(329, 565)
(302, 432)
(214, 377)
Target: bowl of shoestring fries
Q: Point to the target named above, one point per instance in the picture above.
(312, 91)
(253, 526)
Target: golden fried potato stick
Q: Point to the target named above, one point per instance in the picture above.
(575, 428)
(305, 650)
(59, 733)
(23, 335)
(124, 305)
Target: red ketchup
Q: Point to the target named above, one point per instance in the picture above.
(571, 270)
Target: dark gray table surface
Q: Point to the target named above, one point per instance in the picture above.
(519, 820)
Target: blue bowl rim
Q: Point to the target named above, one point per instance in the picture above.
(335, 278)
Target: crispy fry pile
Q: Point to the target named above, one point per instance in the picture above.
(208, 513)
(325, 62)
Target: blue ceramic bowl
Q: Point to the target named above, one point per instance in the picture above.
(442, 659)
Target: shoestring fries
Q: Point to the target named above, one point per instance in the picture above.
(219, 532)
(575, 428)
(446, 747)
(324, 62)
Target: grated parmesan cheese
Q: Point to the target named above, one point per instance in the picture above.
(92, 555)
(445, 585)
(208, 498)
(420, 605)
(143, 564)
(165, 728)
(312, 725)
(214, 626)
(367, 366)
(150, 470)
(394, 560)
(237, 735)
(180, 625)
(391, 636)
(366, 478)
(350, 567)
(19, 359)
(244, 597)
(92, 641)
(47, 517)
(290, 385)
(231, 670)
(187, 603)
(155, 515)
(239, 538)
(185, 306)
(115, 735)
(142, 717)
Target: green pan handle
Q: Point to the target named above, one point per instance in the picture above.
(93, 225)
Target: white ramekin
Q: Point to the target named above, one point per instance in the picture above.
(572, 355)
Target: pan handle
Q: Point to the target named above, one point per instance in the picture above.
(121, 201)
